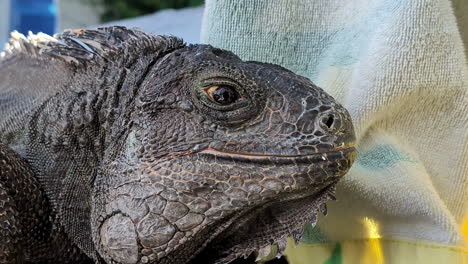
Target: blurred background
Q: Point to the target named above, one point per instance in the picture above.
(181, 18)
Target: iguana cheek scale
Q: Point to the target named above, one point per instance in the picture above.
(141, 149)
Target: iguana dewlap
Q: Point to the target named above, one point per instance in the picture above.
(122, 147)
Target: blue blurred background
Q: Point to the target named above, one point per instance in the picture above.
(47, 16)
(33, 15)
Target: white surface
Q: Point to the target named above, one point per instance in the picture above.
(74, 14)
(184, 23)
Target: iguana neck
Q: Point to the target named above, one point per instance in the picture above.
(69, 135)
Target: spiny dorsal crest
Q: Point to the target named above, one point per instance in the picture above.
(81, 45)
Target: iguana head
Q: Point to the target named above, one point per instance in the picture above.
(223, 157)
(166, 153)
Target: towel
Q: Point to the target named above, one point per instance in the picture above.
(400, 68)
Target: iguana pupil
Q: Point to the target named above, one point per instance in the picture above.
(224, 95)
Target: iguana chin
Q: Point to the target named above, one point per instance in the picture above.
(123, 147)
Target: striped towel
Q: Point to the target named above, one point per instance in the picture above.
(400, 68)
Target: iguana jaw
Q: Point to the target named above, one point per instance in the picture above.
(269, 224)
(257, 228)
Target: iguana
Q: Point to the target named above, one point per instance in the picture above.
(122, 147)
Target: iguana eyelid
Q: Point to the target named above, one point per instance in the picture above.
(224, 108)
(222, 81)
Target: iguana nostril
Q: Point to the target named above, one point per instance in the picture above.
(328, 120)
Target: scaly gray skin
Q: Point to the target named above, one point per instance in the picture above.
(151, 151)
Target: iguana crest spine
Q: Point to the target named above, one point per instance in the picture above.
(79, 46)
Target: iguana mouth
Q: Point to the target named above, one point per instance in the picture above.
(348, 148)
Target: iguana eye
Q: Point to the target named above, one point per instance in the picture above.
(223, 99)
(221, 94)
